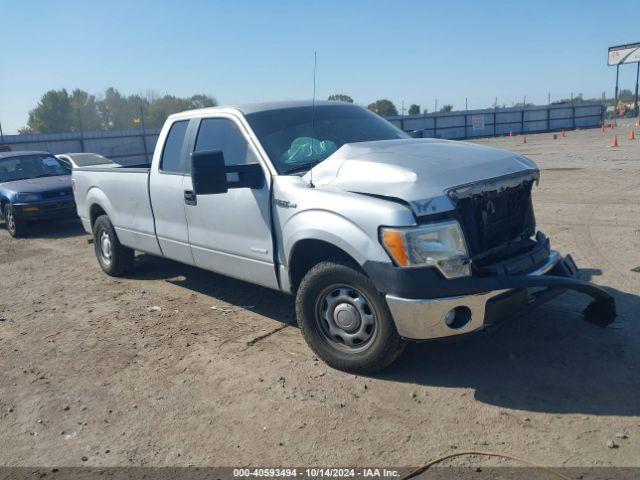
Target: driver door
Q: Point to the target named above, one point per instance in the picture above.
(230, 233)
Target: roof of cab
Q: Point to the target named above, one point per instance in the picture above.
(22, 153)
(249, 108)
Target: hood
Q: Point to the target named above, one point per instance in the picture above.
(39, 185)
(421, 172)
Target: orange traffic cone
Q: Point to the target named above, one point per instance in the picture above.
(615, 141)
(562, 134)
(510, 133)
(632, 135)
(611, 125)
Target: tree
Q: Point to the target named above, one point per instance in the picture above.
(383, 107)
(340, 97)
(60, 112)
(53, 114)
(202, 101)
(85, 111)
(414, 109)
(446, 108)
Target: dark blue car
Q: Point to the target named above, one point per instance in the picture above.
(33, 186)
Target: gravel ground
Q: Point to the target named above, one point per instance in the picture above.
(142, 371)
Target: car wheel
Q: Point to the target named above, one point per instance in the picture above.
(114, 258)
(15, 226)
(345, 320)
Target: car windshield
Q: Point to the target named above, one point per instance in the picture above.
(298, 138)
(31, 166)
(87, 159)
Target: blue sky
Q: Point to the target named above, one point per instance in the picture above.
(245, 51)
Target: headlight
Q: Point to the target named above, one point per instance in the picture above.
(28, 197)
(440, 245)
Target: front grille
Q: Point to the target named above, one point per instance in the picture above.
(491, 219)
(57, 194)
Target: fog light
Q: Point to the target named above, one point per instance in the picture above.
(457, 317)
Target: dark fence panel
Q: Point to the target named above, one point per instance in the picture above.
(501, 121)
(125, 147)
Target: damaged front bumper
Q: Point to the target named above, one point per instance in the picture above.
(481, 301)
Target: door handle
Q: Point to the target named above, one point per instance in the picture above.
(190, 197)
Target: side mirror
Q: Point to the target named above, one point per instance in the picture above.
(417, 133)
(209, 174)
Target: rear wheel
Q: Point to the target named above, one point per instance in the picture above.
(345, 320)
(15, 226)
(114, 258)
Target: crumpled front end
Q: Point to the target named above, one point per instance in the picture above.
(475, 303)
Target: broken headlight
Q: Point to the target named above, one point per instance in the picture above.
(439, 245)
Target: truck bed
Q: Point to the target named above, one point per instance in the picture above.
(123, 193)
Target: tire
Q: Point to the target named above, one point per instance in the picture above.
(114, 258)
(345, 320)
(15, 226)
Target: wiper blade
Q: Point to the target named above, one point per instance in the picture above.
(301, 167)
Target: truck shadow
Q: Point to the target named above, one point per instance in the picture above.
(269, 303)
(547, 361)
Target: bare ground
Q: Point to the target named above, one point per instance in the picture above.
(92, 374)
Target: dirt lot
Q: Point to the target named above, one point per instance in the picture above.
(94, 373)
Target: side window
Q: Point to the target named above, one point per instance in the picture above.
(172, 160)
(224, 135)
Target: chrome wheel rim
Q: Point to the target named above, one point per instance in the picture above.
(345, 318)
(11, 221)
(104, 244)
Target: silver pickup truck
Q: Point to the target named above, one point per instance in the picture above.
(381, 237)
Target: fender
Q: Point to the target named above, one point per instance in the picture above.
(334, 229)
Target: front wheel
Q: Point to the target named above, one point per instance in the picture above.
(345, 320)
(15, 226)
(114, 258)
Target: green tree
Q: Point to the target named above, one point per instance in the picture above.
(340, 97)
(414, 109)
(58, 111)
(383, 107)
(201, 101)
(446, 108)
(116, 111)
(53, 114)
(84, 109)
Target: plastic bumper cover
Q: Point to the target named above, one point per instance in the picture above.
(494, 298)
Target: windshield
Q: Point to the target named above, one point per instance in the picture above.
(87, 159)
(31, 166)
(300, 137)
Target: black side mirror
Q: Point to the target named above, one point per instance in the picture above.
(417, 133)
(209, 174)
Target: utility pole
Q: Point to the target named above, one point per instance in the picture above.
(144, 135)
(635, 105)
(548, 98)
(435, 108)
(615, 98)
(81, 131)
(466, 104)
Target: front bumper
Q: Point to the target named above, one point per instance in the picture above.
(60, 208)
(494, 298)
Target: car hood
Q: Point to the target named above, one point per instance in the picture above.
(38, 185)
(425, 173)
